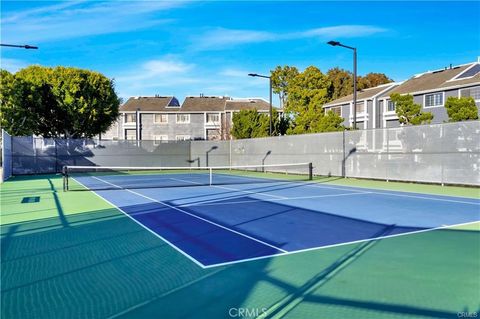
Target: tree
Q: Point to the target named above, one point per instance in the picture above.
(408, 112)
(372, 80)
(341, 83)
(251, 123)
(57, 102)
(461, 109)
(281, 78)
(330, 122)
(308, 92)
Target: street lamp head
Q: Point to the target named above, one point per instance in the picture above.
(252, 74)
(30, 47)
(333, 43)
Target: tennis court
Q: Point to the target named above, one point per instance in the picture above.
(226, 217)
(242, 245)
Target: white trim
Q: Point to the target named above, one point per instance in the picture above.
(186, 122)
(456, 77)
(433, 106)
(159, 141)
(467, 88)
(183, 137)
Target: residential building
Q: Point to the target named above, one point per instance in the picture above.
(162, 118)
(429, 89)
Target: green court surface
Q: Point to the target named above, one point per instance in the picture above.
(73, 255)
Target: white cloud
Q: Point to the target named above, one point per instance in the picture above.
(70, 20)
(343, 31)
(167, 68)
(220, 38)
(13, 65)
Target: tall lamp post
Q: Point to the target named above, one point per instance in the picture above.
(19, 46)
(270, 109)
(336, 43)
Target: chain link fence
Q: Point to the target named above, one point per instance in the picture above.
(446, 153)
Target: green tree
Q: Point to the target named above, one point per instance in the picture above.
(330, 122)
(408, 112)
(57, 102)
(281, 78)
(341, 82)
(251, 123)
(461, 109)
(308, 92)
(372, 80)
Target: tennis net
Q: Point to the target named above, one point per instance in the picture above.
(116, 177)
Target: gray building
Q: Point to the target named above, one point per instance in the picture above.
(162, 118)
(429, 89)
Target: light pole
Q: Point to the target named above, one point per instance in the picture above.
(336, 43)
(19, 46)
(270, 109)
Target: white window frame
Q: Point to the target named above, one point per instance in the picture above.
(433, 106)
(212, 122)
(183, 137)
(394, 106)
(158, 139)
(334, 107)
(186, 122)
(160, 114)
(125, 118)
(469, 88)
(126, 136)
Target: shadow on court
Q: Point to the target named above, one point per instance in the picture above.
(105, 265)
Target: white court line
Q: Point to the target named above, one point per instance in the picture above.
(285, 253)
(148, 229)
(230, 188)
(219, 201)
(372, 191)
(336, 245)
(198, 217)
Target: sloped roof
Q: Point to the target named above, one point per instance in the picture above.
(365, 94)
(204, 103)
(431, 81)
(247, 104)
(151, 103)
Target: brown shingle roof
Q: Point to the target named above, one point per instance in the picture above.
(363, 94)
(247, 104)
(204, 103)
(431, 81)
(157, 103)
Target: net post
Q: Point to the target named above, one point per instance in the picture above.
(210, 173)
(65, 178)
(310, 171)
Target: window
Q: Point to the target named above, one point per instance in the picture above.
(391, 106)
(471, 92)
(337, 110)
(213, 118)
(183, 118)
(130, 118)
(130, 134)
(182, 137)
(435, 99)
(157, 139)
(160, 118)
(360, 107)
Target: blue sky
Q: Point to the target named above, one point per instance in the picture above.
(187, 48)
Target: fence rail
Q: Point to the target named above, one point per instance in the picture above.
(440, 153)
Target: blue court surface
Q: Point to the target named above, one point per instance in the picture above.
(241, 218)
